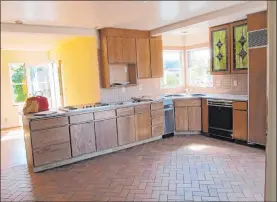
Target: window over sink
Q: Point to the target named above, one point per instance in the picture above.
(173, 63)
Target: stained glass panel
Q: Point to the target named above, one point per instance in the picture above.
(240, 47)
(220, 59)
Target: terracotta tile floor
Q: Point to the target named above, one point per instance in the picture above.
(174, 169)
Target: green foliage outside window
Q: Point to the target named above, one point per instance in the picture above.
(19, 86)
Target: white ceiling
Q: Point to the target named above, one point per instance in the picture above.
(122, 14)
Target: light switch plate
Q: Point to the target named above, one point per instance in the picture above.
(125, 69)
(235, 83)
(140, 87)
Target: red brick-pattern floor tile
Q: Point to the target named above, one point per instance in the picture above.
(174, 169)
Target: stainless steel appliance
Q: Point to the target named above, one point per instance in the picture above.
(169, 117)
(220, 117)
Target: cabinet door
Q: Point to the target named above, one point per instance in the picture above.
(220, 45)
(126, 130)
(143, 58)
(156, 53)
(194, 116)
(240, 125)
(106, 134)
(181, 119)
(129, 50)
(143, 126)
(239, 47)
(82, 138)
(114, 45)
(205, 116)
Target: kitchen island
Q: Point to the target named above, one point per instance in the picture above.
(67, 137)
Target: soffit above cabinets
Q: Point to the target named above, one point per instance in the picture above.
(143, 15)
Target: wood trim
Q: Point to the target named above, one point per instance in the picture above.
(205, 116)
(257, 21)
(173, 47)
(124, 32)
(104, 65)
(225, 26)
(233, 70)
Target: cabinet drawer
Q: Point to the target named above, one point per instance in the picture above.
(240, 105)
(81, 118)
(51, 154)
(48, 137)
(48, 123)
(158, 121)
(104, 114)
(157, 105)
(187, 103)
(142, 108)
(157, 130)
(125, 111)
(157, 113)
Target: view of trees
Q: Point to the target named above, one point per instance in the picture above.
(19, 83)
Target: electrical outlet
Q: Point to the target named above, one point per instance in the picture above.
(140, 87)
(123, 89)
(125, 69)
(235, 83)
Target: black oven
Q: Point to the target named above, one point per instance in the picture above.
(220, 117)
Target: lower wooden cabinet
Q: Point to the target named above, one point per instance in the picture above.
(240, 122)
(181, 119)
(157, 130)
(126, 130)
(82, 138)
(143, 126)
(194, 118)
(106, 134)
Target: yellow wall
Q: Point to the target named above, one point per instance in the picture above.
(9, 112)
(79, 69)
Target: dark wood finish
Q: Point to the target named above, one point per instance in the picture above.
(257, 95)
(129, 50)
(106, 134)
(126, 130)
(48, 123)
(82, 139)
(157, 113)
(42, 138)
(143, 126)
(51, 154)
(240, 125)
(142, 108)
(104, 114)
(205, 116)
(125, 111)
(124, 32)
(81, 118)
(157, 130)
(181, 119)
(233, 70)
(257, 21)
(240, 105)
(114, 45)
(187, 103)
(225, 26)
(157, 105)
(143, 58)
(156, 53)
(194, 118)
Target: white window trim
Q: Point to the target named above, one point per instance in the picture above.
(182, 82)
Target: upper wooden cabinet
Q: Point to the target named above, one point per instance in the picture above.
(114, 49)
(129, 50)
(220, 47)
(156, 53)
(143, 58)
(229, 48)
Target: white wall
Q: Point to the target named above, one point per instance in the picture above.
(173, 40)
(9, 112)
(199, 37)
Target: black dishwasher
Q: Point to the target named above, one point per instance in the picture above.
(220, 117)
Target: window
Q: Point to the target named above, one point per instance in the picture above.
(19, 83)
(198, 68)
(173, 68)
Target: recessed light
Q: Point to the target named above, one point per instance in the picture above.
(18, 22)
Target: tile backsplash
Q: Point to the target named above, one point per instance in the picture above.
(151, 87)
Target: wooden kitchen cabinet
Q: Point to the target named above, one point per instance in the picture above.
(106, 134)
(82, 138)
(126, 129)
(129, 50)
(194, 118)
(156, 53)
(143, 58)
(143, 126)
(114, 45)
(205, 116)
(181, 119)
(240, 122)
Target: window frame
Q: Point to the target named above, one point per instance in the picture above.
(14, 84)
(182, 69)
(206, 46)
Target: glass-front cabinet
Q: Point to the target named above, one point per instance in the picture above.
(219, 37)
(239, 47)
